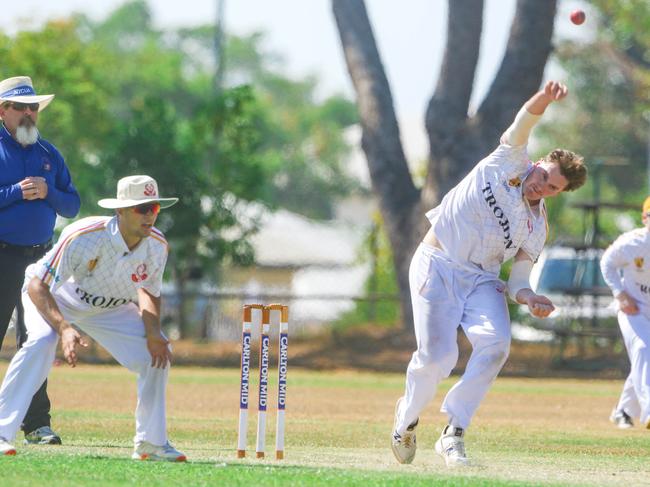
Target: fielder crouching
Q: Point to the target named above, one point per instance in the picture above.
(103, 277)
(496, 213)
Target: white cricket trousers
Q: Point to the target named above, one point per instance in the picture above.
(445, 295)
(628, 401)
(120, 331)
(635, 398)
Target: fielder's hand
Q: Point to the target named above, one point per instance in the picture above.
(158, 347)
(627, 304)
(539, 306)
(69, 340)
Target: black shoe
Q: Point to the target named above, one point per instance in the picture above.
(42, 436)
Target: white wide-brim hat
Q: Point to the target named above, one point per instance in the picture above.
(134, 191)
(21, 90)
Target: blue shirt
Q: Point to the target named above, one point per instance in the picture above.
(31, 222)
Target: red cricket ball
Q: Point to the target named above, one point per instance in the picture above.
(578, 17)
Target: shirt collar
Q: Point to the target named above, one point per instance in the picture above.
(7, 135)
(529, 169)
(117, 241)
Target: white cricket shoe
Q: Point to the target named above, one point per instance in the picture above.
(6, 448)
(404, 445)
(621, 419)
(165, 453)
(451, 446)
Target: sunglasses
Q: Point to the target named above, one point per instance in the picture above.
(146, 208)
(21, 107)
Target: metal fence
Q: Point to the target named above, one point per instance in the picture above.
(217, 316)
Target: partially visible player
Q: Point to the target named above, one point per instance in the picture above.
(35, 187)
(627, 407)
(626, 269)
(103, 277)
(496, 213)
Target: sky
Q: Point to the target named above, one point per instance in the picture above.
(410, 35)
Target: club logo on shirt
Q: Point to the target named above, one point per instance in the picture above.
(140, 273)
(515, 182)
(149, 190)
(638, 262)
(92, 264)
(499, 214)
(511, 183)
(46, 165)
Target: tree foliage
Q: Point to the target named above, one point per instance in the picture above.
(132, 99)
(300, 137)
(607, 118)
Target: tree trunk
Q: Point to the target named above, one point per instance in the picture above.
(389, 173)
(457, 141)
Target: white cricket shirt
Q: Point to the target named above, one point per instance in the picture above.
(629, 255)
(92, 264)
(485, 219)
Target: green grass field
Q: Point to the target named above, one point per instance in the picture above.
(527, 432)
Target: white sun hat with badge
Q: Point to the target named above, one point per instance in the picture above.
(19, 89)
(134, 191)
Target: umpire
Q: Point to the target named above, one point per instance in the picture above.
(35, 186)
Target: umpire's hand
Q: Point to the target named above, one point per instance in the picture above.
(33, 188)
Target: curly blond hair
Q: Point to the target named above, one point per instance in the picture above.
(572, 167)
